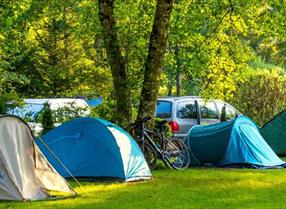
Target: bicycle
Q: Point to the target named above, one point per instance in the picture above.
(173, 152)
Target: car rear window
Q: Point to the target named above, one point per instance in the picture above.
(164, 109)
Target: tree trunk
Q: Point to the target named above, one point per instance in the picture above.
(123, 113)
(179, 72)
(170, 87)
(153, 68)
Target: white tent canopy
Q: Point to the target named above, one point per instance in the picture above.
(25, 174)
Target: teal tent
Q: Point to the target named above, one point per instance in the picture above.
(231, 143)
(274, 133)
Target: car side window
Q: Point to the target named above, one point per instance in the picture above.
(230, 112)
(220, 106)
(208, 110)
(186, 110)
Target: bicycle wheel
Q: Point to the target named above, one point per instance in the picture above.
(149, 155)
(176, 154)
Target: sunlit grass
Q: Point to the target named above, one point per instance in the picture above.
(193, 188)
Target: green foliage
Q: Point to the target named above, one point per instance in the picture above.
(47, 119)
(3, 104)
(218, 40)
(213, 51)
(166, 128)
(105, 110)
(69, 112)
(9, 101)
(55, 48)
(262, 94)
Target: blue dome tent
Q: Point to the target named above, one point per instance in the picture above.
(232, 143)
(94, 148)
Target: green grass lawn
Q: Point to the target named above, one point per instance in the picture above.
(193, 188)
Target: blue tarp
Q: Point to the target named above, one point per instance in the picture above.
(237, 142)
(95, 102)
(91, 147)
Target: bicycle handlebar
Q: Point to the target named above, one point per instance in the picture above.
(147, 118)
(144, 120)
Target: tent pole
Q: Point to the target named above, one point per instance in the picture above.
(56, 157)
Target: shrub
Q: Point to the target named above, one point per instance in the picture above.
(262, 95)
(47, 119)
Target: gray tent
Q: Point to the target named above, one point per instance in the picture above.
(25, 174)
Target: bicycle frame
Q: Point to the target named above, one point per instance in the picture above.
(152, 143)
(145, 134)
(167, 151)
(159, 150)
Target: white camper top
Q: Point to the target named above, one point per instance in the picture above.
(58, 102)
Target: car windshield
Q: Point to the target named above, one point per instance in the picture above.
(164, 109)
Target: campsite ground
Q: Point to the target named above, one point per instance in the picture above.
(193, 188)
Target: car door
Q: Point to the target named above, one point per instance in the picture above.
(208, 112)
(186, 116)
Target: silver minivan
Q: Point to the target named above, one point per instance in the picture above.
(184, 112)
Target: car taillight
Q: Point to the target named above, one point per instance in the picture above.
(174, 126)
